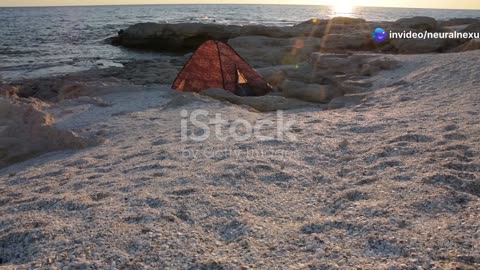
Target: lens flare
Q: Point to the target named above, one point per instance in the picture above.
(342, 7)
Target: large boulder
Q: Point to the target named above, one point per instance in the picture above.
(274, 77)
(355, 64)
(346, 20)
(274, 51)
(267, 51)
(304, 72)
(335, 20)
(266, 103)
(338, 25)
(27, 132)
(472, 28)
(310, 92)
(418, 23)
(350, 41)
(459, 21)
(188, 36)
(471, 45)
(415, 46)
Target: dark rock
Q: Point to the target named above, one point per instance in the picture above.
(472, 28)
(336, 20)
(471, 45)
(352, 41)
(188, 36)
(459, 21)
(266, 103)
(413, 46)
(418, 23)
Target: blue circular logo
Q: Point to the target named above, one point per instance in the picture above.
(379, 35)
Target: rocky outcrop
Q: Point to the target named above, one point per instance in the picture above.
(327, 76)
(273, 76)
(188, 36)
(418, 23)
(353, 65)
(274, 51)
(351, 41)
(27, 131)
(289, 45)
(472, 28)
(459, 21)
(413, 46)
(336, 20)
(471, 45)
(97, 82)
(266, 103)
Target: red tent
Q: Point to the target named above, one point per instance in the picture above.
(216, 65)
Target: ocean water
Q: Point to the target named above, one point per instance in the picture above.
(41, 41)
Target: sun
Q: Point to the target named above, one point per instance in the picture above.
(342, 7)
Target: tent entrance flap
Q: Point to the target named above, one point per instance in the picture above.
(216, 65)
(240, 77)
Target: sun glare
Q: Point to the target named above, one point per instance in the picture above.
(342, 7)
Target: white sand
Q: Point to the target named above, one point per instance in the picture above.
(403, 192)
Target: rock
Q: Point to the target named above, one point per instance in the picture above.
(345, 101)
(312, 22)
(346, 20)
(27, 132)
(335, 20)
(338, 63)
(310, 92)
(352, 64)
(415, 46)
(472, 28)
(418, 23)
(303, 72)
(188, 36)
(385, 63)
(370, 70)
(274, 51)
(266, 103)
(273, 77)
(373, 67)
(471, 45)
(459, 21)
(262, 30)
(267, 52)
(352, 41)
(339, 25)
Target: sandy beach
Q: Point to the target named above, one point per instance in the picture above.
(390, 181)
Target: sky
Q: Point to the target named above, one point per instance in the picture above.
(448, 4)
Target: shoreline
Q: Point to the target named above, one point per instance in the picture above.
(131, 46)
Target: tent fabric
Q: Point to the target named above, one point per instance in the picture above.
(216, 65)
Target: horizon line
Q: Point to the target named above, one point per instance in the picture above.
(242, 4)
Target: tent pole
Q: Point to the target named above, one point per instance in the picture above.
(221, 65)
